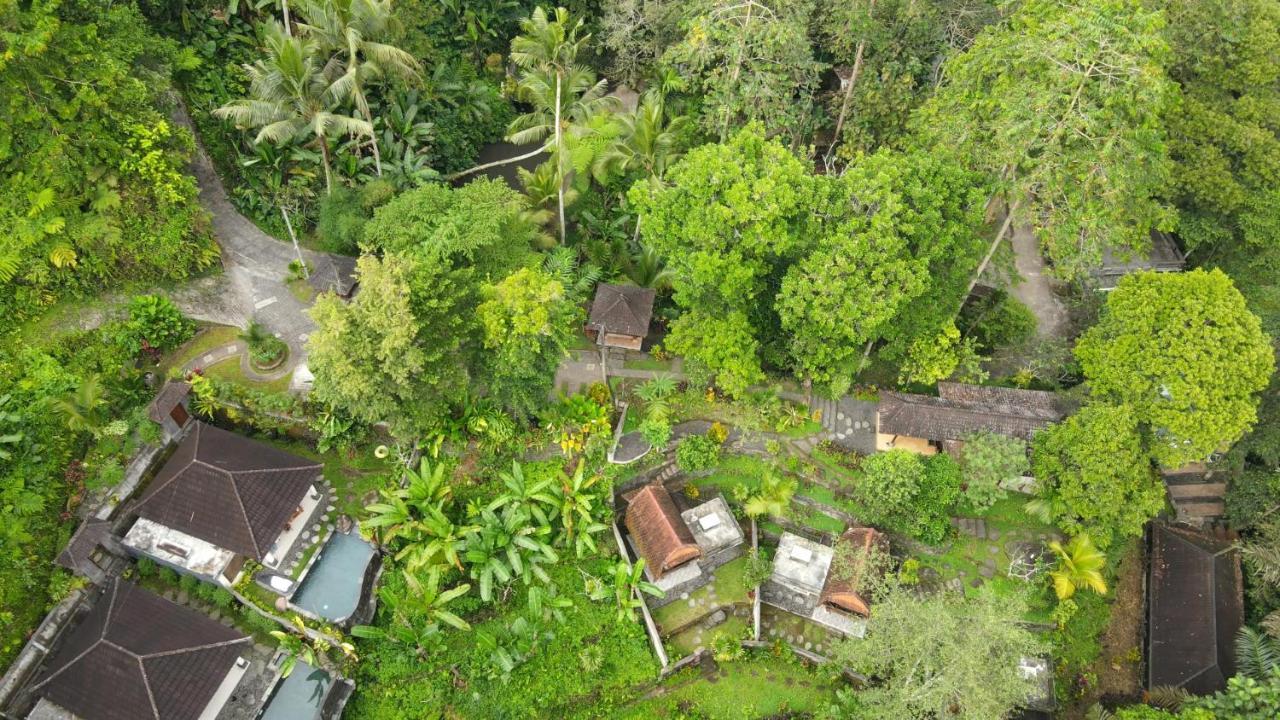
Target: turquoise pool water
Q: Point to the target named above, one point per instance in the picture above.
(332, 586)
(299, 696)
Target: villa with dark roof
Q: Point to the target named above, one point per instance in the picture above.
(1162, 255)
(1195, 607)
(925, 423)
(620, 316)
(138, 656)
(680, 548)
(220, 499)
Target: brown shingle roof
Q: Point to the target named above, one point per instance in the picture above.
(137, 655)
(845, 581)
(84, 541)
(1195, 607)
(169, 397)
(962, 409)
(657, 531)
(228, 490)
(622, 309)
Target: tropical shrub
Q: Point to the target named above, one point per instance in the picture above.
(697, 452)
(987, 460)
(907, 493)
(156, 324)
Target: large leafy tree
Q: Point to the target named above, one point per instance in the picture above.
(528, 321)
(1225, 134)
(1186, 355)
(753, 62)
(727, 220)
(292, 97)
(1062, 104)
(393, 353)
(1095, 475)
(939, 656)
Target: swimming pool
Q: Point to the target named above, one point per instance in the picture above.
(300, 696)
(331, 588)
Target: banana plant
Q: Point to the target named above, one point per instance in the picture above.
(532, 496)
(628, 583)
(579, 508)
(508, 547)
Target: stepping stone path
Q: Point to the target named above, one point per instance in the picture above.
(973, 527)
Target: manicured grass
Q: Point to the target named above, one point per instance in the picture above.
(229, 370)
(306, 558)
(729, 587)
(818, 520)
(647, 363)
(809, 427)
(208, 338)
(756, 686)
(688, 642)
(745, 470)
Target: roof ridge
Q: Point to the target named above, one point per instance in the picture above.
(244, 513)
(195, 648)
(146, 684)
(151, 493)
(279, 469)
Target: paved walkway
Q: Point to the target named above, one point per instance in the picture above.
(1033, 287)
(256, 268)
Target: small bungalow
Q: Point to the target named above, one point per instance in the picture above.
(822, 583)
(136, 655)
(680, 549)
(88, 553)
(1164, 255)
(220, 499)
(171, 408)
(925, 424)
(620, 316)
(1195, 607)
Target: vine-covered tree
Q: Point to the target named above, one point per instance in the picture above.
(1224, 141)
(1062, 104)
(752, 61)
(1184, 352)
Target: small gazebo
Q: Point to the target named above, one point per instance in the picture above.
(620, 316)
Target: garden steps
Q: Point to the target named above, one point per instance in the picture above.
(1197, 512)
(837, 513)
(1198, 490)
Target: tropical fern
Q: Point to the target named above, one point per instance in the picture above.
(1167, 697)
(1265, 559)
(62, 256)
(1256, 653)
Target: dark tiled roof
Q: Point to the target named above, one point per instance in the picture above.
(1195, 607)
(169, 397)
(1163, 255)
(622, 309)
(658, 531)
(961, 409)
(845, 580)
(137, 655)
(336, 273)
(84, 541)
(228, 490)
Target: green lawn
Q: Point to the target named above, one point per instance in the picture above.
(208, 338)
(745, 470)
(757, 686)
(229, 370)
(688, 642)
(729, 587)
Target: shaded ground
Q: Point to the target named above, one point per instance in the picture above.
(1033, 287)
(1119, 668)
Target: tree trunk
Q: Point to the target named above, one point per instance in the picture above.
(848, 91)
(737, 70)
(306, 274)
(635, 236)
(866, 353)
(495, 163)
(560, 158)
(324, 156)
(1004, 229)
(284, 9)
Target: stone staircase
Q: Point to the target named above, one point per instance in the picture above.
(1197, 494)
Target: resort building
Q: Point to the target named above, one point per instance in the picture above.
(927, 424)
(680, 549)
(822, 583)
(620, 316)
(1195, 607)
(1164, 255)
(222, 499)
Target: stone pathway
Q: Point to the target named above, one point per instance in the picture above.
(253, 285)
(225, 352)
(1033, 287)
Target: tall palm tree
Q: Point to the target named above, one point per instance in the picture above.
(564, 94)
(353, 31)
(648, 140)
(82, 407)
(1080, 566)
(291, 97)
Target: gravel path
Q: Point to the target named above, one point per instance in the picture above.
(1033, 286)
